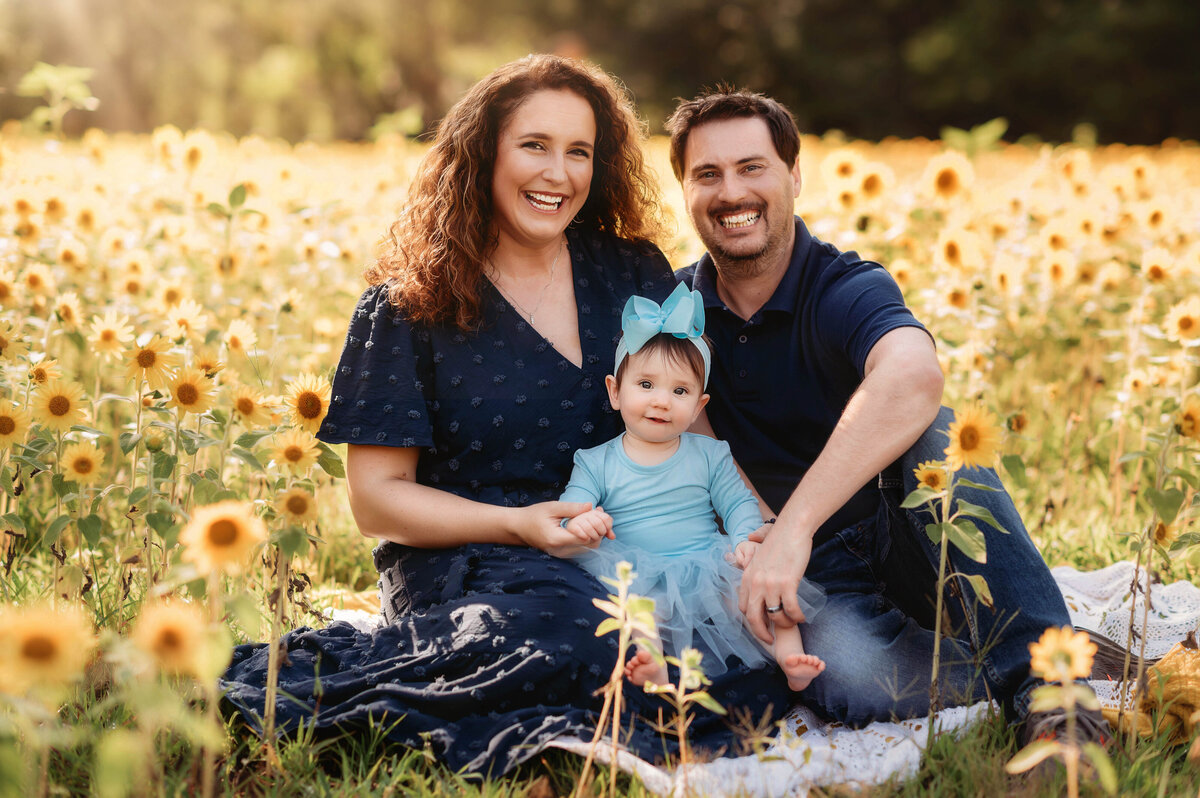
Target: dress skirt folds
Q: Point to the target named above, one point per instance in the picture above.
(486, 653)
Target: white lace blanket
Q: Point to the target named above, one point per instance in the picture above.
(812, 753)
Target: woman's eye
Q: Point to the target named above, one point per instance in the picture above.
(533, 145)
(581, 153)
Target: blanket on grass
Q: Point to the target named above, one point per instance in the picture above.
(809, 752)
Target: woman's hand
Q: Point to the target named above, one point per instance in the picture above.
(540, 525)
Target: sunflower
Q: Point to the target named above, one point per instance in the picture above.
(58, 404)
(43, 647)
(931, 474)
(165, 142)
(1061, 655)
(1165, 534)
(14, 423)
(1017, 422)
(11, 344)
(974, 438)
(958, 248)
(209, 361)
(191, 391)
(1156, 265)
(948, 175)
(296, 506)
(295, 450)
(69, 310)
(1058, 264)
(877, 181)
(1056, 235)
(38, 280)
(172, 633)
(197, 147)
(81, 462)
(44, 370)
(110, 334)
(171, 294)
(71, 253)
(8, 289)
(1183, 322)
(252, 406)
(1188, 420)
(220, 537)
(958, 297)
(240, 336)
(308, 401)
(187, 319)
(842, 166)
(152, 361)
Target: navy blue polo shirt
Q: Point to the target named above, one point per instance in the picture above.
(781, 379)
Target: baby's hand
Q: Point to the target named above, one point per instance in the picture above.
(591, 526)
(744, 552)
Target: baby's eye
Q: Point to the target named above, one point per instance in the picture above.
(681, 391)
(645, 385)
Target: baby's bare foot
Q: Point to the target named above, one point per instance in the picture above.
(801, 669)
(642, 668)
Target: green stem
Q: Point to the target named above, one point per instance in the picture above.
(934, 689)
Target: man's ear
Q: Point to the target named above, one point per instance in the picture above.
(610, 382)
(796, 179)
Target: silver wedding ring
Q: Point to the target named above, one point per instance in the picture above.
(776, 608)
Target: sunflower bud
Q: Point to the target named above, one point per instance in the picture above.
(154, 438)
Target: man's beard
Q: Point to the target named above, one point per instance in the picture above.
(741, 265)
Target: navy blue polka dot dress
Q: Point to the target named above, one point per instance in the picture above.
(488, 650)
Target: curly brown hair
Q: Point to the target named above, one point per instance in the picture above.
(436, 250)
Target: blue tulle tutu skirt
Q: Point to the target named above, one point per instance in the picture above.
(695, 600)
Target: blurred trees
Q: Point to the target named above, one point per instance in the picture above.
(334, 68)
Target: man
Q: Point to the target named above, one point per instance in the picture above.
(826, 387)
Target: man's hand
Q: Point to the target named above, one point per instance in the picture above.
(771, 579)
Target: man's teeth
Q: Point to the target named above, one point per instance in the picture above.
(740, 219)
(546, 202)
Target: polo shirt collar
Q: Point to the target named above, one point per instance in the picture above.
(786, 293)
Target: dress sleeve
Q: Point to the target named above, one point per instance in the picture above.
(732, 500)
(587, 484)
(381, 380)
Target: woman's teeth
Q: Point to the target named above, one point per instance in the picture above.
(543, 202)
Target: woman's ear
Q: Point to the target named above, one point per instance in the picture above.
(611, 383)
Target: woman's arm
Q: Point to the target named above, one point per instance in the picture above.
(388, 504)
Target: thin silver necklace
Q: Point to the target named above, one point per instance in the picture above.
(529, 314)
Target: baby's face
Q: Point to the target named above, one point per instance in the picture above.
(657, 398)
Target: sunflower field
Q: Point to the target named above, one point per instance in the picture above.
(172, 307)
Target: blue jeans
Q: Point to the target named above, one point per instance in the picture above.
(875, 633)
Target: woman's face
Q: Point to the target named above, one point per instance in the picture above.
(543, 167)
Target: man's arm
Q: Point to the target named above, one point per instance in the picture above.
(898, 399)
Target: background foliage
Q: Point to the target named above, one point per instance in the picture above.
(323, 69)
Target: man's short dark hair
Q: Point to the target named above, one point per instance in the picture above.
(726, 102)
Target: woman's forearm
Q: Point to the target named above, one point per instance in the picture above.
(389, 504)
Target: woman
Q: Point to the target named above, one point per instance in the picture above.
(473, 369)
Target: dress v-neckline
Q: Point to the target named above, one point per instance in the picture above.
(525, 323)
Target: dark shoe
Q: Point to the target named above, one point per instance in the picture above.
(1090, 727)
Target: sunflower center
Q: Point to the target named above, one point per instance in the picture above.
(59, 405)
(245, 406)
(39, 648)
(146, 358)
(952, 254)
(308, 404)
(1186, 323)
(872, 185)
(969, 438)
(107, 336)
(187, 394)
(293, 454)
(947, 181)
(169, 642)
(222, 532)
(8, 425)
(297, 505)
(83, 466)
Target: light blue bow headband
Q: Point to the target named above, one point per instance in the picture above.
(681, 315)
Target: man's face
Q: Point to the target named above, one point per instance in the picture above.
(740, 194)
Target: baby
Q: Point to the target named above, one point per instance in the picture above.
(657, 491)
